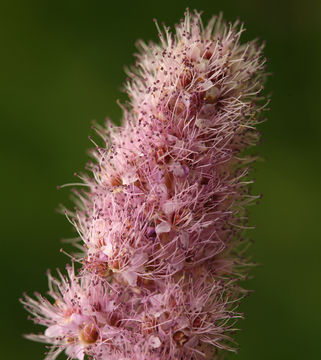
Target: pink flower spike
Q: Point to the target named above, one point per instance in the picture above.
(163, 216)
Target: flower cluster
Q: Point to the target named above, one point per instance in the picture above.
(162, 220)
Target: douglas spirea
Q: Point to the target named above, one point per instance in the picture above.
(162, 217)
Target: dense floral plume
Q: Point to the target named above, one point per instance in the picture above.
(162, 219)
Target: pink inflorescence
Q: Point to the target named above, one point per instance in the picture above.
(163, 217)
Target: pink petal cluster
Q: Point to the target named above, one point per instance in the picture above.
(162, 220)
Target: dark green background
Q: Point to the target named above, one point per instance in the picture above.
(62, 66)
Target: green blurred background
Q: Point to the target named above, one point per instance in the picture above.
(62, 66)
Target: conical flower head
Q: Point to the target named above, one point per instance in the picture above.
(162, 222)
